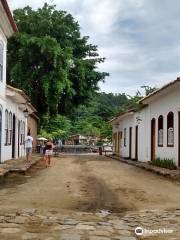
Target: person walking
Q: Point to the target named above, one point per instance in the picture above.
(28, 146)
(48, 153)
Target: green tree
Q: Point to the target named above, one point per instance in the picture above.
(51, 61)
(55, 127)
(148, 89)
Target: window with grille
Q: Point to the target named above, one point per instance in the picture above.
(10, 129)
(170, 129)
(160, 131)
(6, 127)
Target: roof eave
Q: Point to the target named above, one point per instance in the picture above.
(148, 98)
(22, 93)
(9, 15)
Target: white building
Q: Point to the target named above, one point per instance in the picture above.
(153, 130)
(13, 102)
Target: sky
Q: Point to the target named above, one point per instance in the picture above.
(140, 39)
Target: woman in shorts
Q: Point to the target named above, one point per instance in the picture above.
(48, 153)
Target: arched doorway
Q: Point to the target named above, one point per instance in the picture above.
(153, 139)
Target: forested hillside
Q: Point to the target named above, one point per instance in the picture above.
(91, 118)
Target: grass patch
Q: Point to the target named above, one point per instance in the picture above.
(164, 163)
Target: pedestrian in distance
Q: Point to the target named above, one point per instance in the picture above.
(28, 146)
(48, 153)
(100, 150)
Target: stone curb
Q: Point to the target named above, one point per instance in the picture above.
(172, 174)
(22, 168)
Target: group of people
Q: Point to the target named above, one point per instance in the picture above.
(47, 151)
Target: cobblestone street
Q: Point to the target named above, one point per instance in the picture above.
(88, 197)
(30, 224)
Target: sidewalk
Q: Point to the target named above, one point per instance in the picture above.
(172, 174)
(17, 166)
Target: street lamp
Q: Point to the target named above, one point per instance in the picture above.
(26, 113)
(138, 120)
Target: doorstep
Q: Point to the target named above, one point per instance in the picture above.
(17, 166)
(172, 174)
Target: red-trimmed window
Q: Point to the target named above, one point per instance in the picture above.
(170, 129)
(160, 131)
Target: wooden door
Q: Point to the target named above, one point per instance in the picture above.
(14, 136)
(18, 137)
(118, 142)
(136, 143)
(130, 142)
(153, 139)
(114, 142)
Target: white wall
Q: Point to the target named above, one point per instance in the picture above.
(6, 103)
(3, 83)
(162, 106)
(7, 150)
(2, 89)
(143, 135)
(125, 124)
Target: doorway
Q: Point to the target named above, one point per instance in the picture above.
(153, 139)
(118, 143)
(18, 137)
(14, 136)
(136, 143)
(130, 142)
(179, 140)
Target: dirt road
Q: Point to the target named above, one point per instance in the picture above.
(38, 205)
(89, 183)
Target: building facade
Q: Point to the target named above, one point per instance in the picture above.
(13, 102)
(153, 131)
(32, 126)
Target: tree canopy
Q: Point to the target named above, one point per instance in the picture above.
(58, 69)
(51, 61)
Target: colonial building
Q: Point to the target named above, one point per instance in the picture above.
(14, 104)
(32, 125)
(153, 130)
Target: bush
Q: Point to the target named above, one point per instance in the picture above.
(164, 163)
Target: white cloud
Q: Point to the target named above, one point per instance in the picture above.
(139, 38)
